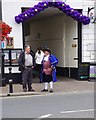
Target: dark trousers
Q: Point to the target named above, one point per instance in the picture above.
(38, 69)
(27, 76)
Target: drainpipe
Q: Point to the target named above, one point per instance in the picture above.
(69, 64)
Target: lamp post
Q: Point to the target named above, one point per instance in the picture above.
(3, 81)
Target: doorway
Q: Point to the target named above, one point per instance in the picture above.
(54, 29)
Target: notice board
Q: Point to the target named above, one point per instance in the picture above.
(83, 71)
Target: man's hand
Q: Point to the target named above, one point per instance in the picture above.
(32, 67)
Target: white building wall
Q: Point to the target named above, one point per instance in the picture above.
(11, 8)
(88, 36)
(71, 32)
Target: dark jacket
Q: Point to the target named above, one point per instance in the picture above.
(21, 60)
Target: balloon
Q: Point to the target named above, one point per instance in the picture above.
(60, 5)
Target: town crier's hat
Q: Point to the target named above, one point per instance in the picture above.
(47, 49)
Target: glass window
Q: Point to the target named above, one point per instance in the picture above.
(6, 57)
(15, 56)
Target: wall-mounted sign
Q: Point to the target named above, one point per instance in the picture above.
(83, 71)
(3, 44)
(74, 45)
(91, 14)
(92, 71)
(10, 43)
(92, 54)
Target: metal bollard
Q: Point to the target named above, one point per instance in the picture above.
(10, 86)
(10, 81)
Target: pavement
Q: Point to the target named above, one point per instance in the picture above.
(63, 85)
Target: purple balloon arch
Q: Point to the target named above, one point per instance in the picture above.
(31, 12)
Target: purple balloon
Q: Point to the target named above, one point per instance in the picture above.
(32, 14)
(20, 16)
(45, 4)
(88, 19)
(68, 13)
(64, 10)
(67, 6)
(17, 19)
(78, 14)
(28, 13)
(21, 20)
(81, 20)
(40, 9)
(54, 4)
(72, 15)
(75, 15)
(67, 9)
(60, 5)
(26, 17)
(23, 16)
(75, 12)
(86, 22)
(82, 17)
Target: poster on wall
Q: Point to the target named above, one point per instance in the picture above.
(10, 42)
(92, 71)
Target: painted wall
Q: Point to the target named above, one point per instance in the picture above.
(48, 32)
(71, 51)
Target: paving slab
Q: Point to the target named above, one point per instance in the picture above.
(62, 85)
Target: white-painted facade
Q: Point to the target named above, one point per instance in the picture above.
(60, 37)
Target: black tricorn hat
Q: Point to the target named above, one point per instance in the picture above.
(47, 49)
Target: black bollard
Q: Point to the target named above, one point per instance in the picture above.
(10, 86)
(10, 81)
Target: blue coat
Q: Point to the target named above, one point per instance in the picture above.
(54, 62)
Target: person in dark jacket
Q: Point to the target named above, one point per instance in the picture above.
(26, 66)
(33, 54)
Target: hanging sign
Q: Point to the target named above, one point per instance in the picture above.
(91, 14)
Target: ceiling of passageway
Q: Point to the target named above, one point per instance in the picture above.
(47, 13)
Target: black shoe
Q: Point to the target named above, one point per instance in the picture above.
(44, 90)
(31, 90)
(51, 91)
(24, 90)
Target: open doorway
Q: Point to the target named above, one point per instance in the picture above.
(61, 33)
